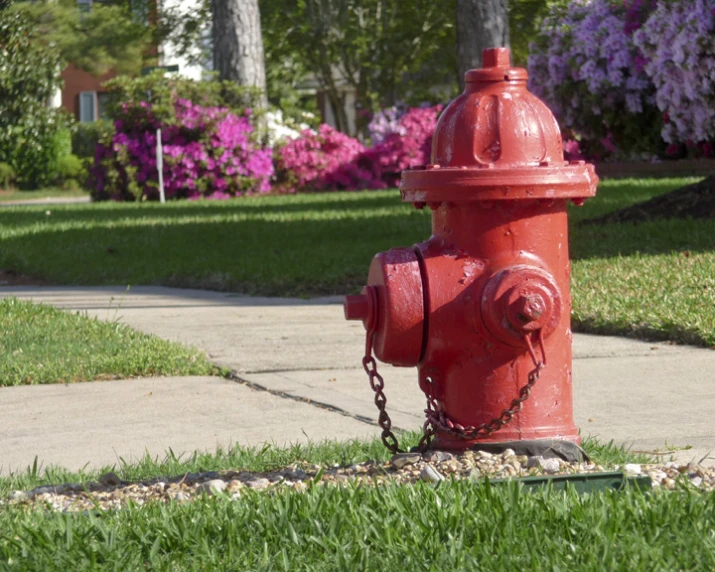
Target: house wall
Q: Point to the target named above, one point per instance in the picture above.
(169, 51)
(77, 81)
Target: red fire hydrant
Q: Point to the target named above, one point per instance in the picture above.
(482, 307)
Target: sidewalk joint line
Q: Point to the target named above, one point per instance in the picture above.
(235, 377)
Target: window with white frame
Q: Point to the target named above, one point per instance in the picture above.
(84, 5)
(87, 106)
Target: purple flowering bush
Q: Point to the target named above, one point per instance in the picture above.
(386, 122)
(207, 152)
(678, 45)
(585, 66)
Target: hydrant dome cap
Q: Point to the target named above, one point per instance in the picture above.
(497, 140)
(496, 121)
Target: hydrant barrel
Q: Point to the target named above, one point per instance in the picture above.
(494, 305)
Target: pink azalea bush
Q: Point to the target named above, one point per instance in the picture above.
(208, 152)
(410, 144)
(325, 160)
(329, 160)
(678, 45)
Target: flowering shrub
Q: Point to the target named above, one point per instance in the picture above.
(586, 68)
(407, 145)
(322, 161)
(385, 122)
(329, 160)
(280, 129)
(678, 44)
(208, 151)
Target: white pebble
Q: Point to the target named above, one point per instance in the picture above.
(258, 484)
(550, 465)
(213, 487)
(632, 469)
(430, 474)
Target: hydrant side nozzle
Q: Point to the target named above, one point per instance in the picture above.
(356, 307)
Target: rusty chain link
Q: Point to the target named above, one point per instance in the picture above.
(436, 419)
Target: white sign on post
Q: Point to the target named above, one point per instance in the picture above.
(160, 165)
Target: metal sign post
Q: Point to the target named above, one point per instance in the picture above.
(160, 165)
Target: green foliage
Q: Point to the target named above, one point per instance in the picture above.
(85, 137)
(7, 176)
(454, 526)
(386, 50)
(71, 171)
(524, 18)
(162, 91)
(30, 133)
(108, 36)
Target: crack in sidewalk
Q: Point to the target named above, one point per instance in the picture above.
(234, 376)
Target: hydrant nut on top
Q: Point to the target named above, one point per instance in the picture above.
(482, 308)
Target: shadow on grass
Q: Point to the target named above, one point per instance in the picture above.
(291, 204)
(671, 333)
(289, 257)
(657, 237)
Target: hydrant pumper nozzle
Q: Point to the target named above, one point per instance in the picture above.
(479, 305)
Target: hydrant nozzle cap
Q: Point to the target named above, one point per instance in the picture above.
(496, 66)
(357, 307)
(496, 57)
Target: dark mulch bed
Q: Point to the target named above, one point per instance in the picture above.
(10, 277)
(695, 201)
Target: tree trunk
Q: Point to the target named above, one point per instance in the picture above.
(481, 24)
(238, 44)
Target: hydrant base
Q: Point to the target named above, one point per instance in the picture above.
(547, 448)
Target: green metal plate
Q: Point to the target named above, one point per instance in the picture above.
(583, 482)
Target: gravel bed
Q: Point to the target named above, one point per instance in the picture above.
(110, 492)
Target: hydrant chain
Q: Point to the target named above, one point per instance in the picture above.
(437, 419)
(378, 384)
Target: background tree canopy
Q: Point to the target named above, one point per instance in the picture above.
(386, 50)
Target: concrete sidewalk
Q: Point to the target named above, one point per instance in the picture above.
(300, 364)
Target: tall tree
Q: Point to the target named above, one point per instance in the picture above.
(386, 51)
(480, 24)
(97, 39)
(238, 43)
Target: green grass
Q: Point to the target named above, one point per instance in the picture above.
(41, 194)
(652, 280)
(41, 344)
(459, 525)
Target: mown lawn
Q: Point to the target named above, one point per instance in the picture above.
(654, 280)
(47, 193)
(41, 344)
(457, 525)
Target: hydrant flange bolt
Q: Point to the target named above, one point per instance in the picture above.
(518, 300)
